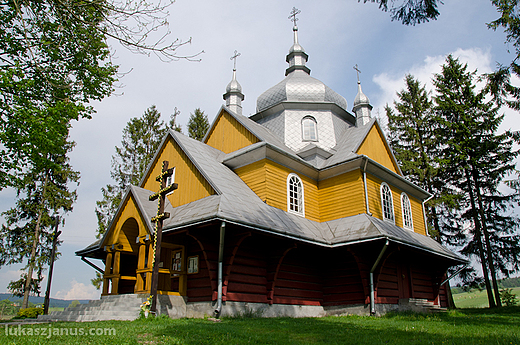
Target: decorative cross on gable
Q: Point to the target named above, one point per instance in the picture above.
(234, 57)
(158, 220)
(294, 12)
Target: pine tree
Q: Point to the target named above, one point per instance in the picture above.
(476, 160)
(42, 193)
(412, 137)
(198, 125)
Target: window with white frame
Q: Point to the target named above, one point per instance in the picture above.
(406, 208)
(309, 129)
(170, 180)
(295, 200)
(387, 203)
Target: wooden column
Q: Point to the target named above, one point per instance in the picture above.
(115, 271)
(108, 271)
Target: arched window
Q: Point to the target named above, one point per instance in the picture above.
(295, 201)
(387, 203)
(309, 129)
(407, 212)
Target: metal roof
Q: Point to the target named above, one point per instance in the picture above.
(235, 202)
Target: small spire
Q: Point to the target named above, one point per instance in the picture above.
(234, 95)
(297, 56)
(361, 106)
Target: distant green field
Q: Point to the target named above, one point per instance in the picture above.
(476, 299)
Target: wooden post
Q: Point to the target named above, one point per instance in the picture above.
(158, 220)
(108, 271)
(51, 268)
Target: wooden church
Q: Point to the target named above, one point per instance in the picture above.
(298, 210)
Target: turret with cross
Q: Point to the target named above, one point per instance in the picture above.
(234, 95)
(158, 220)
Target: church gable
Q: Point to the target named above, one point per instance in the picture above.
(192, 185)
(227, 134)
(128, 224)
(375, 147)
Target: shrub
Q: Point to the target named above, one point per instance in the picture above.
(507, 297)
(29, 313)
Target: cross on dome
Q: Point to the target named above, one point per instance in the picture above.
(234, 57)
(293, 15)
(358, 71)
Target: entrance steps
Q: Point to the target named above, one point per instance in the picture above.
(420, 305)
(112, 307)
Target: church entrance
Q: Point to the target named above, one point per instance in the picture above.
(121, 263)
(172, 271)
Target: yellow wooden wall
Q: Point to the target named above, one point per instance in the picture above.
(341, 196)
(255, 176)
(375, 147)
(228, 135)
(276, 178)
(192, 185)
(374, 197)
(129, 211)
(417, 215)
(269, 181)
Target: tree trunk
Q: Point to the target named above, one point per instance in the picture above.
(27, 289)
(478, 236)
(486, 238)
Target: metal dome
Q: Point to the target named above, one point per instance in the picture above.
(299, 86)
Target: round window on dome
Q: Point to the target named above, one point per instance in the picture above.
(309, 129)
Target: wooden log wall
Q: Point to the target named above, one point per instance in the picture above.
(263, 269)
(342, 283)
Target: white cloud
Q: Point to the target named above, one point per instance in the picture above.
(477, 59)
(10, 275)
(78, 291)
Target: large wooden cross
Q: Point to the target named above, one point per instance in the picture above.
(158, 220)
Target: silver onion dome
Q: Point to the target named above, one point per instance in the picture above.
(298, 85)
(234, 85)
(361, 98)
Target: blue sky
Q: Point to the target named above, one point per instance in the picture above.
(337, 34)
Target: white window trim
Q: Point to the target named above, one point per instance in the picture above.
(403, 209)
(383, 184)
(309, 117)
(302, 206)
(170, 180)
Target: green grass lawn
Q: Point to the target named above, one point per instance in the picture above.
(475, 298)
(471, 326)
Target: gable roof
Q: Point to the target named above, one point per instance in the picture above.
(259, 131)
(236, 203)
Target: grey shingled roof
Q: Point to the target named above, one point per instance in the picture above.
(235, 202)
(348, 144)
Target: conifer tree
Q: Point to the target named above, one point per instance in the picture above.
(198, 125)
(412, 137)
(476, 160)
(43, 192)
